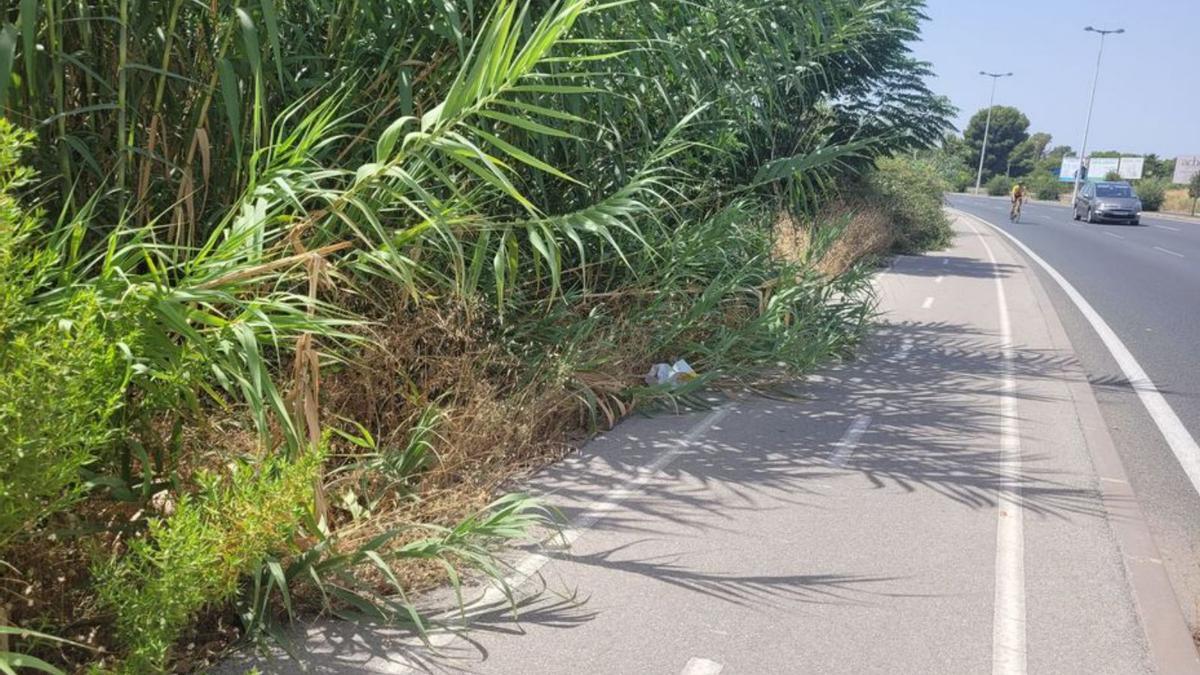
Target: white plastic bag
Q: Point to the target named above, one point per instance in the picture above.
(674, 374)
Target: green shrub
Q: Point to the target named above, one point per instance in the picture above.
(1152, 192)
(998, 186)
(197, 555)
(911, 190)
(1043, 186)
(61, 375)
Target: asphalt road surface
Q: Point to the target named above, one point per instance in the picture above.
(1145, 282)
(952, 501)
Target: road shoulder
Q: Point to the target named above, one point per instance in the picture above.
(1170, 641)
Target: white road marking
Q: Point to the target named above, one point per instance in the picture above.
(1169, 425)
(697, 666)
(1166, 227)
(1008, 617)
(928, 303)
(1114, 236)
(945, 261)
(528, 566)
(1168, 251)
(850, 440)
(939, 279)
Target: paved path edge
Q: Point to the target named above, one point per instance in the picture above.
(1171, 643)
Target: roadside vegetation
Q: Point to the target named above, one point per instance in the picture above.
(289, 292)
(1013, 154)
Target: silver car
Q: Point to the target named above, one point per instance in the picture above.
(1108, 200)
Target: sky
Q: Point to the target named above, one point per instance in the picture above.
(1148, 99)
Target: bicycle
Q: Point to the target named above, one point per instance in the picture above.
(1014, 213)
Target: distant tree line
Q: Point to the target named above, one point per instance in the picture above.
(1013, 152)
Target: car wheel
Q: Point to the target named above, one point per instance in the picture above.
(1135, 221)
(1091, 217)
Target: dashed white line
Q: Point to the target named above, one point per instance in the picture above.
(697, 666)
(1166, 227)
(928, 303)
(850, 440)
(1168, 252)
(1114, 236)
(1008, 618)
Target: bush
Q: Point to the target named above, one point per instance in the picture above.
(1152, 191)
(61, 376)
(998, 186)
(1043, 186)
(911, 190)
(196, 556)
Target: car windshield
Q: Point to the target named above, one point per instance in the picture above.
(1113, 191)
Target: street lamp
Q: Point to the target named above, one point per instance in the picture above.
(987, 125)
(1088, 124)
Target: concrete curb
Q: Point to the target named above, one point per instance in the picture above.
(1171, 644)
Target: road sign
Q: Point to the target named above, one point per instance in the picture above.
(1186, 166)
(1100, 167)
(1066, 173)
(1131, 167)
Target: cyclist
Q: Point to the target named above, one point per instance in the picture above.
(1018, 196)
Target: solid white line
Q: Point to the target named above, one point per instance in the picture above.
(1168, 252)
(850, 440)
(697, 666)
(528, 566)
(928, 303)
(1176, 435)
(1114, 236)
(1166, 227)
(1008, 617)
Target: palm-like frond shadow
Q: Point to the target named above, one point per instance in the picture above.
(935, 424)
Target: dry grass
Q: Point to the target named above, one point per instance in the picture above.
(867, 232)
(1178, 201)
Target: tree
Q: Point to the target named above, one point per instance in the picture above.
(1194, 191)
(1028, 153)
(1167, 169)
(1052, 162)
(1009, 128)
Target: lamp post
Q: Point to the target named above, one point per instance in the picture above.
(987, 127)
(1088, 124)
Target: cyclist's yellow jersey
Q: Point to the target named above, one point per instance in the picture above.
(1017, 191)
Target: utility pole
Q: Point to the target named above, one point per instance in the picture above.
(1088, 124)
(987, 127)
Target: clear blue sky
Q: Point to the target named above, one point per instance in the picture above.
(1149, 94)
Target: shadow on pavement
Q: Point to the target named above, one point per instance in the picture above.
(932, 392)
(935, 415)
